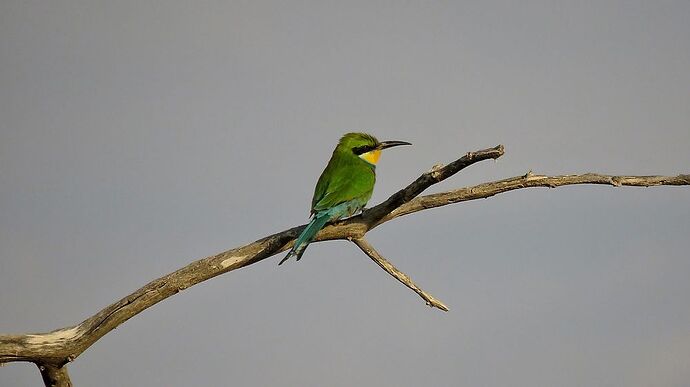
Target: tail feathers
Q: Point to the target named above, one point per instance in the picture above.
(316, 224)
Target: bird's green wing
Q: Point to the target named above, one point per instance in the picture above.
(321, 187)
(343, 181)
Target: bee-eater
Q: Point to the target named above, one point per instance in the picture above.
(345, 185)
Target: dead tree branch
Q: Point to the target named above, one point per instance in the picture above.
(529, 180)
(61, 346)
(369, 250)
(53, 350)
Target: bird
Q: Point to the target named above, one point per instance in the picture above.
(345, 185)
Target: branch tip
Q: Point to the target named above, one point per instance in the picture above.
(403, 278)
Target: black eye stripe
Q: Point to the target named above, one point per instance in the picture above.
(363, 149)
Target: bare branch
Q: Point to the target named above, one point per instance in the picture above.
(66, 344)
(528, 180)
(436, 175)
(55, 349)
(369, 250)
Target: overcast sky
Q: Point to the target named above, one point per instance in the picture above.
(138, 136)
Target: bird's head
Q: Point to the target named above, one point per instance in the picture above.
(366, 146)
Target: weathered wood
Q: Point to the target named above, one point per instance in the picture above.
(66, 344)
(405, 279)
(54, 376)
(52, 350)
(528, 180)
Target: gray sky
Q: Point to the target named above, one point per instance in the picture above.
(137, 136)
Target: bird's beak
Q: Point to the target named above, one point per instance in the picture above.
(390, 144)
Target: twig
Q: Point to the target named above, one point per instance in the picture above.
(369, 250)
(436, 175)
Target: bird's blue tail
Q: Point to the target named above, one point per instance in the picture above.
(316, 224)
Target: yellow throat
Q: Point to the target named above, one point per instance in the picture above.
(371, 157)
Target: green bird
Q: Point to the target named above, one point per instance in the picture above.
(345, 186)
